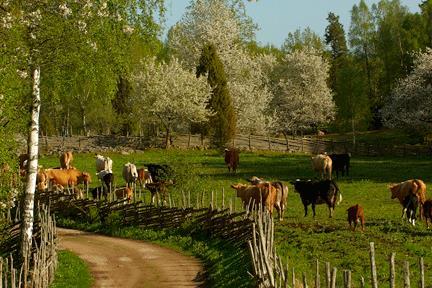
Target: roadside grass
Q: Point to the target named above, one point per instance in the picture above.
(72, 272)
(300, 240)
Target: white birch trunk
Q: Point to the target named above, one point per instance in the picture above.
(33, 145)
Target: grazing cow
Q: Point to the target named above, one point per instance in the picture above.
(341, 163)
(281, 194)
(130, 174)
(125, 192)
(262, 193)
(65, 160)
(322, 164)
(144, 177)
(355, 216)
(410, 205)
(232, 159)
(158, 189)
(413, 186)
(68, 177)
(107, 178)
(427, 211)
(103, 163)
(318, 192)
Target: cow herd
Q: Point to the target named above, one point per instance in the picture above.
(257, 193)
(410, 193)
(66, 178)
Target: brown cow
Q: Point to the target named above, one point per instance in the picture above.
(355, 216)
(144, 177)
(68, 177)
(413, 186)
(427, 211)
(66, 160)
(232, 159)
(322, 164)
(262, 193)
(125, 192)
(281, 194)
(159, 189)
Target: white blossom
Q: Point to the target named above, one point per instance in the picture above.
(410, 103)
(6, 21)
(22, 73)
(65, 10)
(82, 26)
(128, 29)
(302, 97)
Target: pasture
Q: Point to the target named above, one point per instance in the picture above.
(301, 240)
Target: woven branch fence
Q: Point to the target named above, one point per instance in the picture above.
(37, 268)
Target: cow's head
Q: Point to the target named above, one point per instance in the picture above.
(255, 180)
(84, 178)
(239, 187)
(394, 189)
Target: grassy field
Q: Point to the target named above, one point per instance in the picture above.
(301, 240)
(72, 272)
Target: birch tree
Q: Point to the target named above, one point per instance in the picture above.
(171, 93)
(410, 104)
(302, 98)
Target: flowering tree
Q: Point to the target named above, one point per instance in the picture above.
(410, 104)
(172, 94)
(302, 97)
(223, 24)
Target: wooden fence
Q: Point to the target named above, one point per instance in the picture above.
(310, 145)
(270, 271)
(38, 267)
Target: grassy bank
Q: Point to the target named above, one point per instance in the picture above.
(301, 240)
(72, 272)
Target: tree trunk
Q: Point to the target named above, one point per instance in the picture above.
(353, 130)
(167, 137)
(250, 146)
(286, 139)
(27, 221)
(84, 121)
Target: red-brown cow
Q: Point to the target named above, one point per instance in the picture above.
(355, 216)
(66, 159)
(232, 159)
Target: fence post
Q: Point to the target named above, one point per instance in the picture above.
(362, 282)
(328, 276)
(293, 278)
(392, 270)
(317, 275)
(304, 281)
(373, 267)
(407, 283)
(422, 280)
(333, 278)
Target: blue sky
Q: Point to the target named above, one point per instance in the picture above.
(276, 18)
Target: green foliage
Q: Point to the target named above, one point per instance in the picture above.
(302, 39)
(72, 272)
(224, 121)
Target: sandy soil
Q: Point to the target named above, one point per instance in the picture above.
(116, 262)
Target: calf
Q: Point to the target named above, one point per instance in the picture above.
(318, 192)
(107, 178)
(410, 205)
(125, 192)
(65, 160)
(158, 189)
(231, 159)
(341, 163)
(322, 164)
(355, 216)
(427, 211)
(281, 194)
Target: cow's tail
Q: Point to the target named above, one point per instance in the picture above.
(340, 198)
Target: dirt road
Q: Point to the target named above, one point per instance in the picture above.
(123, 263)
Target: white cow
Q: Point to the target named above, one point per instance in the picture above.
(130, 173)
(103, 163)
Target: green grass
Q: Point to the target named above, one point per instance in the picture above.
(72, 272)
(300, 240)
